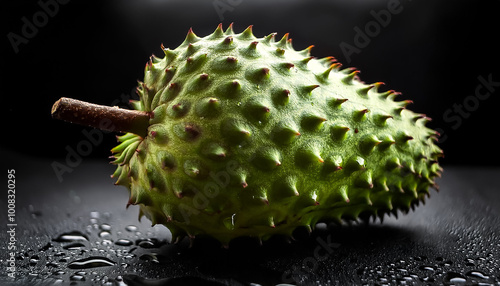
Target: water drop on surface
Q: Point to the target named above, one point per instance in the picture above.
(149, 257)
(428, 279)
(454, 277)
(91, 262)
(74, 246)
(107, 242)
(131, 228)
(469, 262)
(124, 242)
(426, 267)
(104, 234)
(124, 265)
(477, 274)
(71, 236)
(105, 227)
(77, 277)
(148, 243)
(52, 264)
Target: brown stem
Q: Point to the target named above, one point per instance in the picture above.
(99, 116)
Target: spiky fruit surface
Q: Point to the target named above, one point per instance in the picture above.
(249, 137)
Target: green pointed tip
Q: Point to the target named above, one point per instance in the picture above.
(283, 43)
(229, 30)
(267, 159)
(351, 77)
(247, 34)
(323, 77)
(307, 51)
(308, 89)
(218, 33)
(208, 107)
(313, 122)
(368, 143)
(190, 38)
(281, 97)
(284, 135)
(269, 39)
(354, 163)
(339, 132)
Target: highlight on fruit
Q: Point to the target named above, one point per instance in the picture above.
(239, 136)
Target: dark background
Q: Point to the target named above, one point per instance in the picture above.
(432, 51)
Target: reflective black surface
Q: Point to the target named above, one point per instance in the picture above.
(79, 231)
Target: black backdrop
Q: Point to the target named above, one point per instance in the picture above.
(440, 54)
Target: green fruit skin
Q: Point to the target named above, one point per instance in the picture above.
(249, 137)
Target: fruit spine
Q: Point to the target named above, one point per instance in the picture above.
(249, 137)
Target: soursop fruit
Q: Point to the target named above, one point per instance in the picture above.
(249, 137)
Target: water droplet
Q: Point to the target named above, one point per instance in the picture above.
(469, 262)
(124, 242)
(148, 243)
(52, 264)
(105, 227)
(426, 267)
(454, 277)
(477, 274)
(131, 228)
(447, 263)
(77, 277)
(104, 234)
(74, 246)
(107, 242)
(71, 236)
(129, 256)
(382, 279)
(95, 214)
(153, 257)
(149, 257)
(91, 262)
(428, 279)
